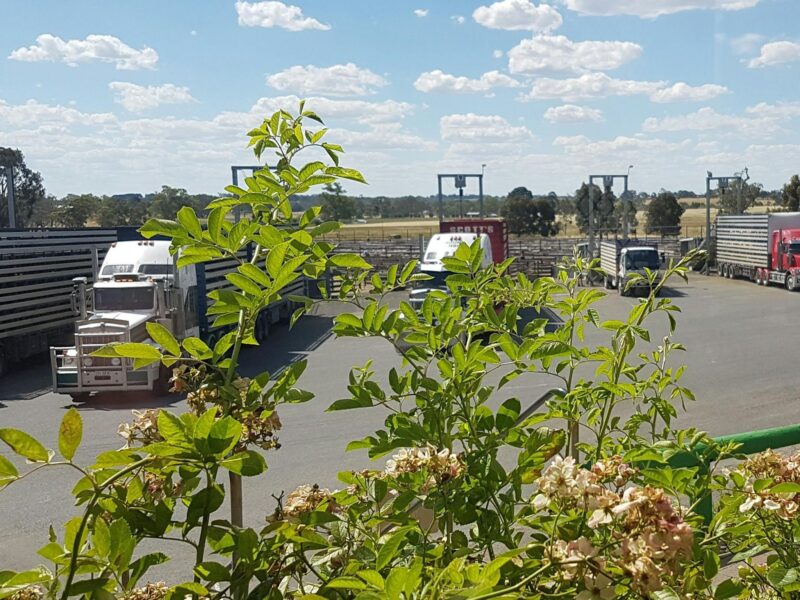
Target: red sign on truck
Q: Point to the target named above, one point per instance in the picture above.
(496, 229)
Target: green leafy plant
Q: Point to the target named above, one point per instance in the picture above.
(590, 493)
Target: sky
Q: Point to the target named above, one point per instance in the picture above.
(121, 97)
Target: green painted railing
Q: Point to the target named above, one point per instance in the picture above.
(751, 442)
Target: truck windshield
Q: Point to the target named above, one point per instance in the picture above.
(641, 259)
(794, 248)
(155, 269)
(437, 280)
(123, 298)
(109, 270)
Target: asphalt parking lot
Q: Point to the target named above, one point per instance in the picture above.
(740, 357)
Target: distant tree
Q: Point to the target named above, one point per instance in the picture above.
(335, 205)
(77, 210)
(45, 213)
(728, 203)
(113, 213)
(790, 194)
(664, 214)
(28, 188)
(166, 203)
(606, 218)
(632, 206)
(524, 214)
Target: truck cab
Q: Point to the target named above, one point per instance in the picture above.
(442, 245)
(137, 283)
(621, 262)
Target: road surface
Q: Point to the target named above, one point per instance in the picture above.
(741, 354)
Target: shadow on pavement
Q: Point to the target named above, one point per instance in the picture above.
(29, 380)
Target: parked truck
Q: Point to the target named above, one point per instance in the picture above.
(762, 248)
(493, 236)
(37, 267)
(620, 260)
(140, 283)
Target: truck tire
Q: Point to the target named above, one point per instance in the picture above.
(791, 283)
(721, 270)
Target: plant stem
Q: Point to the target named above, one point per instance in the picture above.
(76, 545)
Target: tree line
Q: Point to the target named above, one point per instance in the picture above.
(525, 212)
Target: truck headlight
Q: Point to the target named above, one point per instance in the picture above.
(70, 357)
(116, 362)
(88, 362)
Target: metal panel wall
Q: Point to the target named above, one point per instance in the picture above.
(743, 240)
(36, 271)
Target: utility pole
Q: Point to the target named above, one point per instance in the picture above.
(608, 183)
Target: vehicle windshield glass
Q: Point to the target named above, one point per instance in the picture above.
(794, 248)
(641, 259)
(155, 269)
(437, 280)
(112, 269)
(123, 298)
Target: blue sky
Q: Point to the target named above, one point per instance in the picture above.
(126, 96)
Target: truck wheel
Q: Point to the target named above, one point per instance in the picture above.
(790, 283)
(721, 270)
(757, 278)
(80, 398)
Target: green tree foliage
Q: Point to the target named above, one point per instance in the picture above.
(730, 203)
(113, 212)
(524, 214)
(28, 188)
(606, 217)
(664, 214)
(336, 205)
(166, 203)
(76, 211)
(790, 194)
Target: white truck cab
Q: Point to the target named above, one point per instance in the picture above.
(620, 262)
(440, 246)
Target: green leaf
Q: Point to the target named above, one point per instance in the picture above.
(728, 589)
(70, 433)
(350, 261)
(212, 571)
(224, 435)
(163, 227)
(781, 576)
(139, 567)
(206, 501)
(8, 472)
(24, 445)
(388, 551)
(163, 337)
(188, 218)
(244, 284)
(785, 488)
(373, 578)
(247, 464)
(197, 348)
(346, 583)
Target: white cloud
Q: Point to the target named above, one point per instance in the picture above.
(682, 92)
(337, 80)
(781, 110)
(776, 53)
(193, 32)
(33, 113)
(439, 81)
(481, 128)
(572, 113)
(591, 86)
(558, 53)
(458, 19)
(137, 98)
(650, 9)
(747, 43)
(707, 119)
(276, 14)
(358, 111)
(103, 48)
(421, 12)
(518, 15)
(386, 136)
(497, 53)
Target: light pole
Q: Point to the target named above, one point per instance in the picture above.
(625, 205)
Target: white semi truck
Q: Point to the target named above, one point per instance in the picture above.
(620, 260)
(139, 283)
(442, 245)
